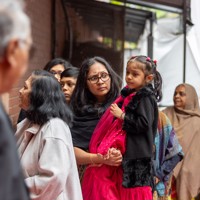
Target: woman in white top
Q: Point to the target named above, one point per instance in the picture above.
(44, 140)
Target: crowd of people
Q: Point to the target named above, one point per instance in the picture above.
(81, 136)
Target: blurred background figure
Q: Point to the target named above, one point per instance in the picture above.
(56, 66)
(44, 140)
(68, 81)
(185, 118)
(14, 53)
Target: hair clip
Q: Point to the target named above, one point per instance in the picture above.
(155, 62)
(148, 59)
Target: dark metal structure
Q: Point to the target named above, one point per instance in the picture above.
(104, 17)
(122, 22)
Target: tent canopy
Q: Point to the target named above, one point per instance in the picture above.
(120, 21)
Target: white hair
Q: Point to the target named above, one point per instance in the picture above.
(14, 23)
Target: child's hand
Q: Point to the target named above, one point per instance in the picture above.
(114, 152)
(115, 110)
(113, 157)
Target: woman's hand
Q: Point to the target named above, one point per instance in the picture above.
(113, 157)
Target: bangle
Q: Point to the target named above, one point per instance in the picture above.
(100, 158)
(122, 116)
(92, 162)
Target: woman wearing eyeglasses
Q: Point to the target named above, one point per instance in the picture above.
(96, 88)
(185, 118)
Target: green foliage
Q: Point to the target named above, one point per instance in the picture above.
(107, 41)
(159, 13)
(116, 3)
(130, 45)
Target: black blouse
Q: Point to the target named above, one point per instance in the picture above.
(82, 128)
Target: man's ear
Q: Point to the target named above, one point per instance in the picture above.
(149, 78)
(11, 52)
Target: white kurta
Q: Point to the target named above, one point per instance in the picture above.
(47, 157)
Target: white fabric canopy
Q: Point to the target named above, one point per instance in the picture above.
(168, 50)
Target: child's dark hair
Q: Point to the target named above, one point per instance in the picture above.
(148, 66)
(70, 72)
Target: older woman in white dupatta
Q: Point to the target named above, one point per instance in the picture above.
(185, 118)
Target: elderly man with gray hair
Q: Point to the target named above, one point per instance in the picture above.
(15, 43)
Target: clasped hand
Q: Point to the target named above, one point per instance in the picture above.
(112, 158)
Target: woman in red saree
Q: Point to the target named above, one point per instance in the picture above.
(108, 179)
(128, 126)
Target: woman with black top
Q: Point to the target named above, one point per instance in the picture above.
(96, 88)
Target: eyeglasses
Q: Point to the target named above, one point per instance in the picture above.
(95, 79)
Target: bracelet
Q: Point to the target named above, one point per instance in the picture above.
(92, 162)
(122, 116)
(100, 157)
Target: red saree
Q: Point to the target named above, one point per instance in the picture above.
(105, 182)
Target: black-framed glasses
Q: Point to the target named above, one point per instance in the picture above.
(103, 76)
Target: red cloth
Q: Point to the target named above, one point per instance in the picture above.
(173, 188)
(105, 182)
